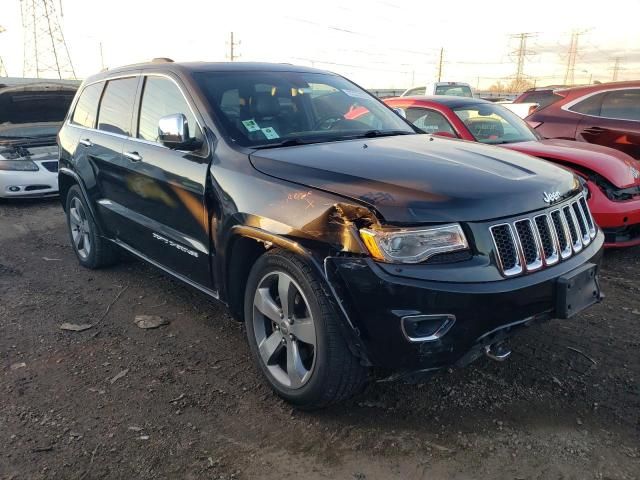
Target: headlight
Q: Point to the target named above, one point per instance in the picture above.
(413, 245)
(18, 165)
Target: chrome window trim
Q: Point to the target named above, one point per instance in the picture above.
(137, 114)
(567, 107)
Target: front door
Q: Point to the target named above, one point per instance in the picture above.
(166, 187)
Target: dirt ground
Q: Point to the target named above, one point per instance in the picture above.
(185, 401)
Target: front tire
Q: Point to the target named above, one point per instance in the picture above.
(90, 248)
(294, 334)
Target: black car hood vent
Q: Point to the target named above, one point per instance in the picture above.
(418, 178)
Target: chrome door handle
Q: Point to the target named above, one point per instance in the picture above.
(86, 142)
(133, 156)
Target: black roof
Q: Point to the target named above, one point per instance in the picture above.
(450, 101)
(184, 67)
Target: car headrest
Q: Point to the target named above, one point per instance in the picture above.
(263, 105)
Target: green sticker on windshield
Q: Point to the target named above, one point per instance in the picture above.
(270, 133)
(251, 125)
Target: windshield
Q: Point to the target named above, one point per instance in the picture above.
(455, 90)
(258, 109)
(494, 124)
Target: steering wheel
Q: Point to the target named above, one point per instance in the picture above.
(327, 122)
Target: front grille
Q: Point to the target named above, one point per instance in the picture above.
(51, 166)
(529, 244)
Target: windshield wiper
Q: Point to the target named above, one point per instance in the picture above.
(379, 133)
(291, 142)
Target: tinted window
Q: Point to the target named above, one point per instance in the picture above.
(416, 91)
(543, 98)
(262, 108)
(622, 104)
(589, 106)
(429, 121)
(116, 106)
(87, 106)
(161, 97)
(455, 90)
(494, 124)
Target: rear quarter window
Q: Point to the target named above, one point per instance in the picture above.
(87, 106)
(589, 106)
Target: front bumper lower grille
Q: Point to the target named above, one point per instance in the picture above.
(532, 243)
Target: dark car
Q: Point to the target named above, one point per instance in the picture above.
(606, 114)
(342, 244)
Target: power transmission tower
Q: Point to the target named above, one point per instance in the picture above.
(3, 70)
(46, 54)
(232, 45)
(569, 76)
(440, 65)
(521, 54)
(616, 69)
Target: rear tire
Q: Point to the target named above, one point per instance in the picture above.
(90, 248)
(298, 344)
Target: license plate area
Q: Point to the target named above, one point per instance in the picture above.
(577, 290)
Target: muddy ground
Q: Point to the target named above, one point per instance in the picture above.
(185, 400)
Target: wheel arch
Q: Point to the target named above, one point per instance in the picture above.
(67, 179)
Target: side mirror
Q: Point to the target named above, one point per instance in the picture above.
(173, 132)
(400, 111)
(445, 134)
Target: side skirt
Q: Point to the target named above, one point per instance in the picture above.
(212, 293)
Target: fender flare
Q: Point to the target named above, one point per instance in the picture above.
(350, 328)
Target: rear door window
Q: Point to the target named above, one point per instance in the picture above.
(87, 106)
(589, 106)
(161, 97)
(621, 104)
(429, 120)
(116, 106)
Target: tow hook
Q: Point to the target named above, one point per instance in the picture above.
(498, 351)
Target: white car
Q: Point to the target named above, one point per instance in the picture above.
(30, 117)
(456, 89)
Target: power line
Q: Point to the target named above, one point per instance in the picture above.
(616, 69)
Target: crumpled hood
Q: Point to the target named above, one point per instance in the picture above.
(614, 165)
(418, 178)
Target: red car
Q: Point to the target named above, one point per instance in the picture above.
(613, 177)
(605, 114)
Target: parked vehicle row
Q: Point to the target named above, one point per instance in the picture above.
(340, 233)
(613, 177)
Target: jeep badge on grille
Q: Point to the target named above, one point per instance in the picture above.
(551, 197)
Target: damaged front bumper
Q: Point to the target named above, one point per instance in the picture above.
(456, 320)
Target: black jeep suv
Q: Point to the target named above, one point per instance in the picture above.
(341, 235)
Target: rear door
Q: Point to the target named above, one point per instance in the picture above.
(105, 146)
(616, 123)
(165, 188)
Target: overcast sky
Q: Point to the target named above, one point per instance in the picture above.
(390, 43)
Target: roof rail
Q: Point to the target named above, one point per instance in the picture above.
(162, 60)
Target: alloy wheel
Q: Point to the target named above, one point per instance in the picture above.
(80, 228)
(284, 329)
